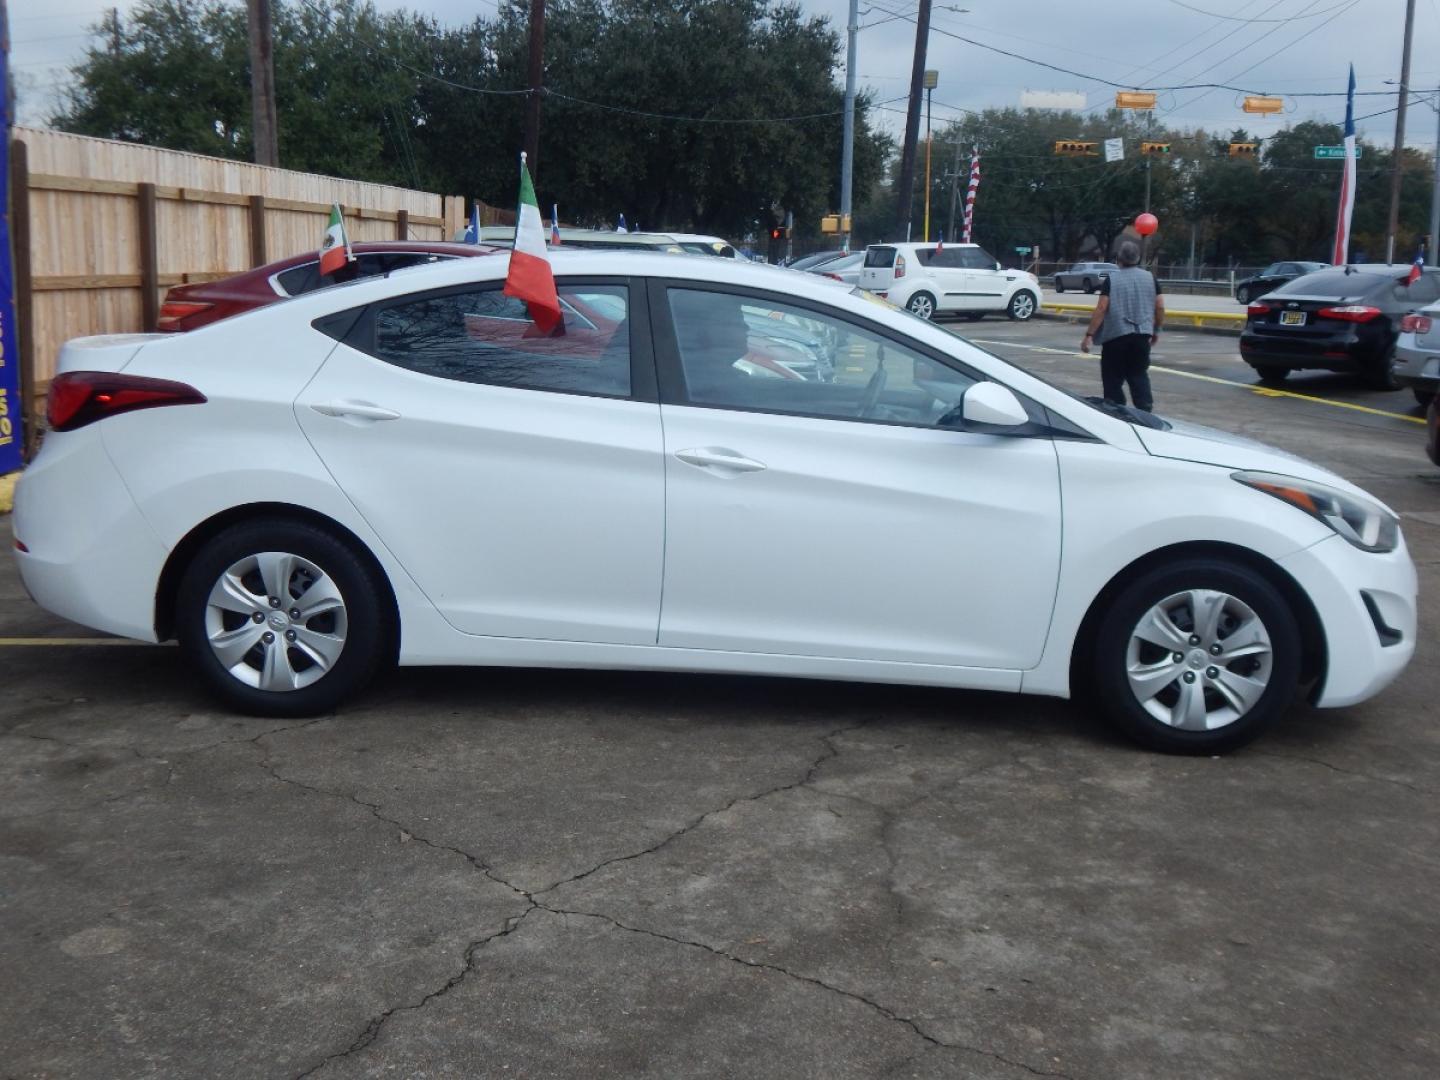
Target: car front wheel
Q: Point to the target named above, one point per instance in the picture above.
(1022, 306)
(1198, 657)
(922, 304)
(281, 618)
(1273, 376)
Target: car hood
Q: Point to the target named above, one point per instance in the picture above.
(1195, 442)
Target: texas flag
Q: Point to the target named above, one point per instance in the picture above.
(529, 277)
(472, 231)
(554, 223)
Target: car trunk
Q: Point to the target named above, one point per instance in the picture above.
(1299, 320)
(878, 272)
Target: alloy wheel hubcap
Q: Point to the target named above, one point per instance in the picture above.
(276, 621)
(920, 306)
(1024, 307)
(1199, 660)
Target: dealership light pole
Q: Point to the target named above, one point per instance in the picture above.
(932, 80)
(847, 153)
(1397, 167)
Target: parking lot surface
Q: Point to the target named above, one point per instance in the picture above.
(589, 874)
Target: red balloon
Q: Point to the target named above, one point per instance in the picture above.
(1146, 224)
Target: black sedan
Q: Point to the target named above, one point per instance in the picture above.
(1272, 277)
(1335, 320)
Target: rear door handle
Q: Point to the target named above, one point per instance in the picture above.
(718, 457)
(355, 410)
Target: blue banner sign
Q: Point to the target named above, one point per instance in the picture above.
(11, 436)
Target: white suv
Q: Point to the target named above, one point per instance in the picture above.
(930, 279)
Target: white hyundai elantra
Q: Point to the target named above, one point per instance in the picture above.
(716, 467)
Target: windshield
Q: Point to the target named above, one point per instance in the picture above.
(1331, 283)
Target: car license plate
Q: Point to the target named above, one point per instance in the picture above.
(1292, 318)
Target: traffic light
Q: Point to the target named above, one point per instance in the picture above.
(1070, 148)
(1244, 149)
(1148, 148)
(777, 233)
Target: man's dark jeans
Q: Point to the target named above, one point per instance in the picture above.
(1126, 359)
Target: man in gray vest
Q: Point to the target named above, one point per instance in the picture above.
(1128, 318)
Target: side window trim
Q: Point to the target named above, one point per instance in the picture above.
(360, 334)
(670, 368)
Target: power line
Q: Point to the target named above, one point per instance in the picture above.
(1236, 18)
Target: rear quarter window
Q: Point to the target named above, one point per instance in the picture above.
(880, 257)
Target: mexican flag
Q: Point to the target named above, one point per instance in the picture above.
(335, 248)
(529, 277)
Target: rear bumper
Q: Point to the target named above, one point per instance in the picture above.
(1419, 368)
(1342, 353)
(92, 558)
(1367, 609)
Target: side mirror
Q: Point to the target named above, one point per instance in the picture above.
(991, 409)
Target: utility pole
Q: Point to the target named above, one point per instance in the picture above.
(932, 80)
(1397, 166)
(262, 85)
(954, 186)
(906, 194)
(847, 153)
(537, 76)
(1430, 257)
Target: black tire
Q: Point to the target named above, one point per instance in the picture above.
(1272, 376)
(366, 631)
(1110, 687)
(974, 316)
(1022, 306)
(1089, 285)
(1242, 295)
(1380, 374)
(922, 304)
(1423, 397)
(1058, 287)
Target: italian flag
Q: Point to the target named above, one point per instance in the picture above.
(529, 277)
(335, 248)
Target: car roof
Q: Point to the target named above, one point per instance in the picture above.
(698, 238)
(920, 244)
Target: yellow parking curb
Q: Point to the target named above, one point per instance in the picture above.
(7, 492)
(1195, 318)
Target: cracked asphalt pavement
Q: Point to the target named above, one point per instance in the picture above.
(500, 873)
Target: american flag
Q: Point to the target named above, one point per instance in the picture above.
(1341, 254)
(970, 194)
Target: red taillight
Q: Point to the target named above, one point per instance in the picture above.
(1258, 308)
(174, 312)
(78, 398)
(1350, 313)
(833, 277)
(899, 267)
(1415, 324)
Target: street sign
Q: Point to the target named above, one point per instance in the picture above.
(1114, 149)
(1329, 152)
(1023, 250)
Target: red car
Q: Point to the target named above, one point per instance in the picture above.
(187, 307)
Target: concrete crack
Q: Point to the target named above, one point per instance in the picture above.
(883, 1010)
(830, 752)
(1344, 772)
(377, 1022)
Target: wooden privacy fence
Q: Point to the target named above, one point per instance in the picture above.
(102, 228)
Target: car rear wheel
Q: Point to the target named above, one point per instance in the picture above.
(281, 618)
(1022, 306)
(1089, 285)
(922, 304)
(1197, 657)
(1380, 374)
(1423, 397)
(1273, 376)
(1242, 295)
(974, 316)
(1059, 288)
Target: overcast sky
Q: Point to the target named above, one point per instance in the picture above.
(1283, 47)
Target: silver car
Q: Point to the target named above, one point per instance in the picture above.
(846, 268)
(1086, 276)
(1417, 354)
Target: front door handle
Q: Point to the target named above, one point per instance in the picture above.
(355, 410)
(720, 458)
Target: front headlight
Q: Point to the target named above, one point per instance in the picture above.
(1365, 524)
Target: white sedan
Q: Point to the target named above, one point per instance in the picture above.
(402, 469)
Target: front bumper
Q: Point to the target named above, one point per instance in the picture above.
(1367, 608)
